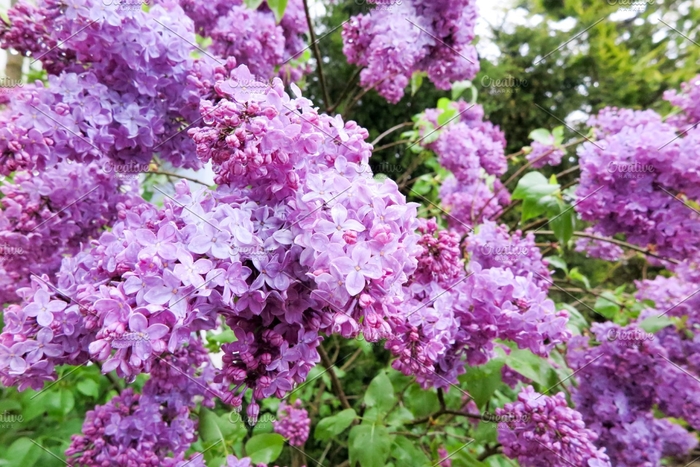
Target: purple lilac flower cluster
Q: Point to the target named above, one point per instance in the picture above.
(413, 36)
(491, 245)
(543, 431)
(444, 457)
(441, 260)
(280, 259)
(675, 296)
(253, 37)
(688, 100)
(468, 145)
(293, 423)
(628, 378)
(447, 326)
(151, 429)
(612, 120)
(109, 93)
(473, 149)
(30, 30)
(469, 205)
(542, 154)
(597, 248)
(636, 179)
(52, 213)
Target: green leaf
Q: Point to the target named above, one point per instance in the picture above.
(562, 221)
(541, 135)
(380, 393)
(486, 433)
(369, 445)
(529, 365)
(406, 452)
(432, 163)
(446, 116)
(278, 7)
(461, 458)
(223, 337)
(423, 185)
(209, 427)
(575, 275)
(606, 306)
(88, 387)
(655, 323)
(558, 134)
(534, 185)
(233, 426)
(399, 417)
(483, 380)
(335, 425)
(417, 81)
(421, 402)
(10, 405)
(371, 415)
(263, 449)
(532, 208)
(459, 87)
(443, 103)
(577, 323)
(32, 408)
(67, 401)
(557, 262)
(253, 4)
(22, 453)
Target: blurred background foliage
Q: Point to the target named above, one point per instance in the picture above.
(566, 56)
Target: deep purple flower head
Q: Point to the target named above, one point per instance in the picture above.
(630, 381)
(293, 423)
(543, 431)
(394, 41)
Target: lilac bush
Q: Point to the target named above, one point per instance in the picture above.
(383, 321)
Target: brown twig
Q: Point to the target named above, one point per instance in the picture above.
(184, 177)
(615, 242)
(344, 94)
(389, 145)
(390, 131)
(567, 171)
(317, 55)
(352, 358)
(334, 378)
(447, 412)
